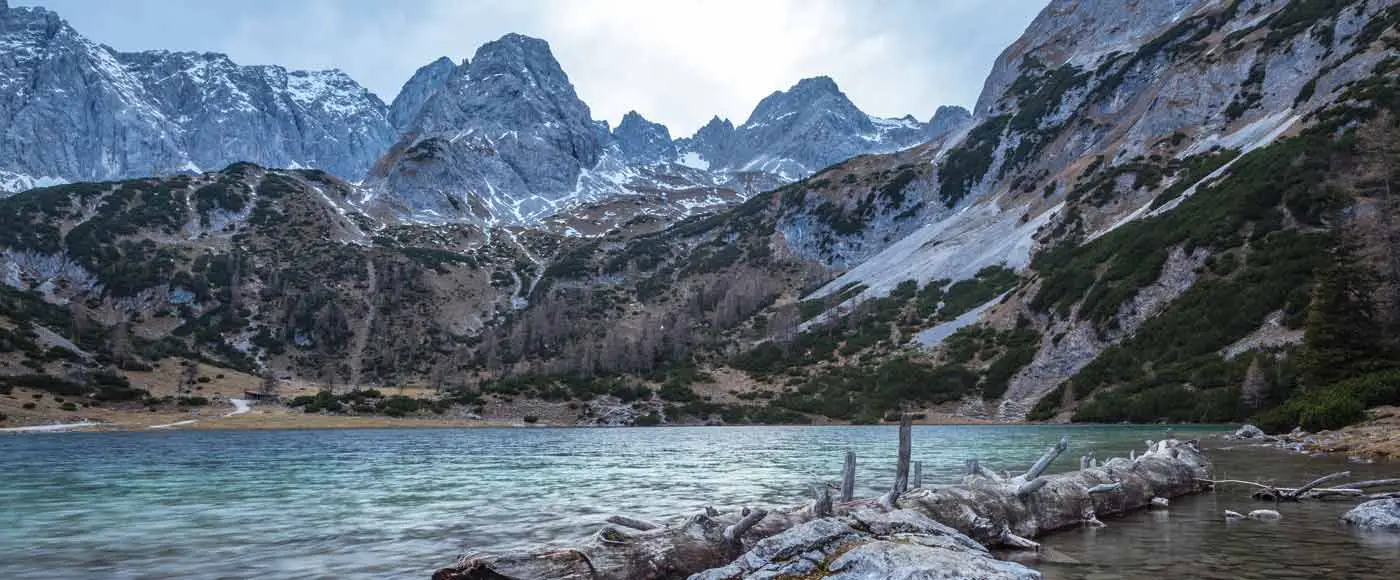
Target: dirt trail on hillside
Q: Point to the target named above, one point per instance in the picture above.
(357, 351)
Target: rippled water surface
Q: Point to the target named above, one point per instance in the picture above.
(401, 503)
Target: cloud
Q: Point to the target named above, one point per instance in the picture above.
(675, 61)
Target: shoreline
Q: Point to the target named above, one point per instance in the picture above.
(285, 419)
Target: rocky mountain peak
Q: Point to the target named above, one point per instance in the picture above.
(642, 141)
(811, 96)
(511, 83)
(425, 82)
(504, 139)
(948, 119)
(519, 56)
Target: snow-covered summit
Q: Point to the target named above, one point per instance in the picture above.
(78, 110)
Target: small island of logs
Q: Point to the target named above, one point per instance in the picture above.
(835, 535)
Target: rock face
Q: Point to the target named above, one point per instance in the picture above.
(1079, 32)
(1379, 514)
(869, 545)
(424, 83)
(77, 110)
(948, 119)
(505, 139)
(265, 114)
(642, 141)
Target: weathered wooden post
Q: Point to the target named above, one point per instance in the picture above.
(901, 469)
(848, 478)
(918, 475)
(822, 506)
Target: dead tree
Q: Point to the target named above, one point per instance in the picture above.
(992, 510)
(901, 470)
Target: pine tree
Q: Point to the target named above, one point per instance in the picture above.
(1342, 337)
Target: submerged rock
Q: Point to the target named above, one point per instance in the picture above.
(869, 545)
(1265, 515)
(1379, 514)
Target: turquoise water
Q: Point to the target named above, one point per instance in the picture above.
(401, 503)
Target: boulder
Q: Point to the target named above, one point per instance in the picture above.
(1265, 515)
(1379, 514)
(1250, 432)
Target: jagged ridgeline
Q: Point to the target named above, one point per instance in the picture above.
(1163, 221)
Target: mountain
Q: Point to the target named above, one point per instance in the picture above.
(500, 138)
(504, 138)
(1121, 155)
(76, 110)
(796, 132)
(1176, 211)
(224, 112)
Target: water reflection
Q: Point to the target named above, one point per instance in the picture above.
(1193, 540)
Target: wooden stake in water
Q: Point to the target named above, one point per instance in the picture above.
(848, 478)
(901, 468)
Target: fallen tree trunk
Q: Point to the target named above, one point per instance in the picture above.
(991, 510)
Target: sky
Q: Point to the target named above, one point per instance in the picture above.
(678, 62)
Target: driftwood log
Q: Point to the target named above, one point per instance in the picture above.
(988, 508)
(1313, 490)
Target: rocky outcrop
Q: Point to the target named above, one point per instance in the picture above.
(1379, 514)
(642, 141)
(947, 120)
(422, 86)
(796, 132)
(1249, 432)
(1079, 32)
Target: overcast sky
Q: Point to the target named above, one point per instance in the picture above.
(675, 61)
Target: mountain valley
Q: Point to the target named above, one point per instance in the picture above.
(1170, 211)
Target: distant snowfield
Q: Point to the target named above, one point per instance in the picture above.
(240, 406)
(694, 160)
(11, 182)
